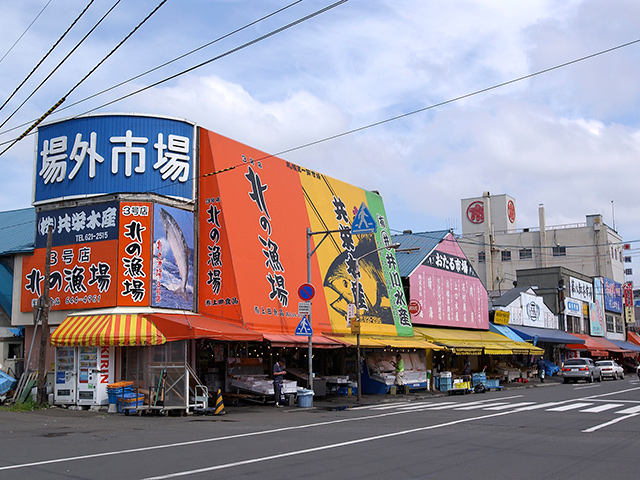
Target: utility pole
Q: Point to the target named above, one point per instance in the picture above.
(44, 331)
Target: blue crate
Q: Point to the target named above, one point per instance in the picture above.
(348, 391)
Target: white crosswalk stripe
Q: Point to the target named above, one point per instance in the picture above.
(495, 405)
(511, 405)
(626, 411)
(569, 406)
(602, 408)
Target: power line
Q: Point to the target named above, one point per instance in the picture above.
(86, 76)
(27, 29)
(45, 56)
(49, 76)
(227, 53)
(124, 82)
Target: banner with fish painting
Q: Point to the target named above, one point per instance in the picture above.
(255, 210)
(173, 233)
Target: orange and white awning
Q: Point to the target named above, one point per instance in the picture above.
(107, 330)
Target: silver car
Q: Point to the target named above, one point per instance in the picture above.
(580, 369)
(609, 368)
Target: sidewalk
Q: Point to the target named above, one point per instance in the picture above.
(340, 402)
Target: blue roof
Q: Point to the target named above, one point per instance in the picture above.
(17, 231)
(506, 331)
(549, 335)
(425, 242)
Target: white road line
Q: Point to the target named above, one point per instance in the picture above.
(541, 405)
(571, 406)
(602, 408)
(635, 409)
(483, 405)
(323, 447)
(602, 425)
(511, 405)
(390, 406)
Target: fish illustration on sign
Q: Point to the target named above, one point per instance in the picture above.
(180, 250)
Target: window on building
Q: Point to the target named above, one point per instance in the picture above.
(506, 256)
(559, 251)
(619, 326)
(628, 259)
(610, 323)
(525, 253)
(569, 325)
(628, 271)
(576, 325)
(561, 323)
(585, 326)
(482, 257)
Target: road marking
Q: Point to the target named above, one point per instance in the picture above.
(602, 425)
(483, 405)
(602, 408)
(571, 406)
(511, 405)
(635, 409)
(322, 448)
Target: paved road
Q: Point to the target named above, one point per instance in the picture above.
(585, 431)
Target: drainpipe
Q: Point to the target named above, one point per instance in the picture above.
(543, 237)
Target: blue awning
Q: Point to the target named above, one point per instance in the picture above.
(626, 345)
(548, 335)
(506, 331)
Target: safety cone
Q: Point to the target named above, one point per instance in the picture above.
(219, 409)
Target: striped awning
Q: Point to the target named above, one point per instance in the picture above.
(107, 330)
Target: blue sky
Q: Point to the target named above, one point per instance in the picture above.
(568, 139)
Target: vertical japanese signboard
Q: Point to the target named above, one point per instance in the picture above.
(254, 215)
(134, 266)
(101, 154)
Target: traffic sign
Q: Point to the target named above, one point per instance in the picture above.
(304, 308)
(363, 222)
(306, 291)
(304, 328)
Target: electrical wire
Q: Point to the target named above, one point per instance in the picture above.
(46, 55)
(37, 122)
(50, 75)
(27, 29)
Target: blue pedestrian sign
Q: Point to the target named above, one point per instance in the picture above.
(304, 328)
(363, 222)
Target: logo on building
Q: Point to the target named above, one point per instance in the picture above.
(511, 211)
(475, 212)
(533, 310)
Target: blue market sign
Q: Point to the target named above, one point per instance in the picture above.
(102, 154)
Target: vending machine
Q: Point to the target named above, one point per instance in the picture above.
(82, 375)
(65, 384)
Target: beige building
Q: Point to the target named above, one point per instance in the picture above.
(497, 248)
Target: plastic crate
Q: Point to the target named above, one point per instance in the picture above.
(348, 391)
(130, 402)
(478, 378)
(465, 385)
(492, 383)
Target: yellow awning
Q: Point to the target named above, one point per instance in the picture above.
(382, 341)
(106, 330)
(475, 342)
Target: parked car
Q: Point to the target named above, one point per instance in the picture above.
(609, 368)
(580, 369)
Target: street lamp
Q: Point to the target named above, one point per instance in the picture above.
(394, 246)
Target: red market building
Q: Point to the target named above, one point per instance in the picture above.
(179, 252)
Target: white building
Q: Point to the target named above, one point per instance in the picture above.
(497, 248)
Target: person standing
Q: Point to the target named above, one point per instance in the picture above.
(541, 369)
(466, 371)
(399, 364)
(278, 377)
